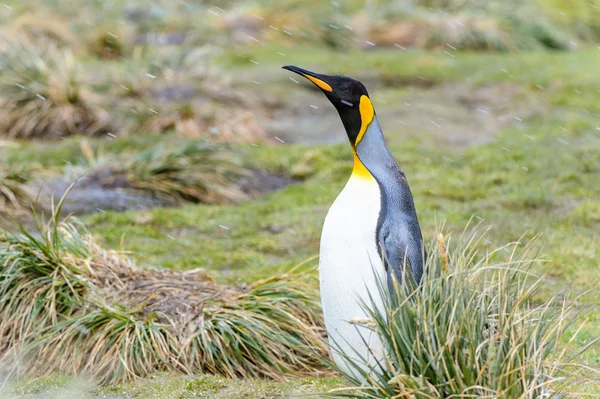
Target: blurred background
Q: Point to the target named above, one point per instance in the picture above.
(191, 147)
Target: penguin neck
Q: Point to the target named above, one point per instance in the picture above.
(359, 170)
(371, 154)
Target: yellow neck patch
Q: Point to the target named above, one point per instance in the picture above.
(360, 170)
(322, 85)
(367, 113)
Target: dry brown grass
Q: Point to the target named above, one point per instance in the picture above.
(43, 95)
(15, 195)
(40, 24)
(110, 42)
(220, 124)
(194, 171)
(463, 32)
(68, 306)
(181, 90)
(447, 25)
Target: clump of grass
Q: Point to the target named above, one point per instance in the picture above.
(473, 329)
(160, 90)
(150, 70)
(192, 172)
(39, 23)
(177, 173)
(42, 93)
(105, 44)
(68, 306)
(105, 344)
(242, 332)
(15, 195)
(39, 283)
(488, 26)
(220, 124)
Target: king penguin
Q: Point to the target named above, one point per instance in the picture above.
(371, 233)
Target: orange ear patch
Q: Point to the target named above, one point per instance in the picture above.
(322, 85)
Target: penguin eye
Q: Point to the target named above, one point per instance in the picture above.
(343, 89)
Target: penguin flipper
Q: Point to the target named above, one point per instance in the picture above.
(395, 260)
(403, 258)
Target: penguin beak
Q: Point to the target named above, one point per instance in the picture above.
(319, 80)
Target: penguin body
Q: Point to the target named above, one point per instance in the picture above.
(371, 233)
(349, 265)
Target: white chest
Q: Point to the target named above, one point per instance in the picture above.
(349, 228)
(350, 265)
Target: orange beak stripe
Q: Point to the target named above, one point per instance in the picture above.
(322, 85)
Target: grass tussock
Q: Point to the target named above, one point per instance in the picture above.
(466, 25)
(194, 171)
(42, 93)
(482, 26)
(110, 42)
(39, 23)
(150, 71)
(472, 330)
(15, 195)
(68, 306)
(220, 124)
(161, 90)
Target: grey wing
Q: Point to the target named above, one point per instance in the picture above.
(403, 256)
(401, 235)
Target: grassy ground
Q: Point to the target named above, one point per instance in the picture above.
(539, 175)
(170, 386)
(511, 139)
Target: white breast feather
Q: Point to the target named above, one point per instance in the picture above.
(348, 259)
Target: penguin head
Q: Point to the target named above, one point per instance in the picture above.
(348, 96)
